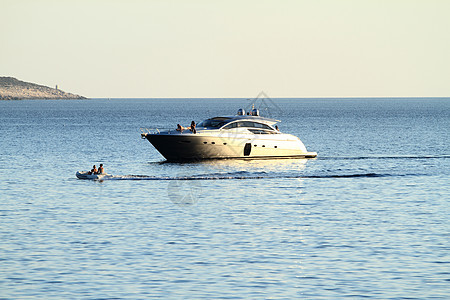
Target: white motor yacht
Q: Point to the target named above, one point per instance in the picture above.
(239, 136)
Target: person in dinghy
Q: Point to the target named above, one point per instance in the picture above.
(101, 170)
(93, 171)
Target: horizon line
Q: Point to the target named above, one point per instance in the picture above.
(247, 98)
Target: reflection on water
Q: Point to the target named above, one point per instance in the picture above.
(251, 165)
(241, 165)
(189, 186)
(184, 193)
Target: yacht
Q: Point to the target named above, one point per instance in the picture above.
(239, 136)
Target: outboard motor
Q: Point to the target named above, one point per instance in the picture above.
(241, 112)
(255, 112)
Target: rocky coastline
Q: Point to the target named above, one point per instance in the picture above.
(14, 89)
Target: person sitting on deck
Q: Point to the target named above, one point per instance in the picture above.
(101, 170)
(179, 128)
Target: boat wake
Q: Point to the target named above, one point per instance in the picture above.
(238, 176)
(383, 157)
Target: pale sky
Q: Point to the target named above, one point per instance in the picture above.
(209, 48)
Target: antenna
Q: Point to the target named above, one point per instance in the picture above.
(263, 102)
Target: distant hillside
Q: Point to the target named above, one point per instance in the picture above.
(13, 89)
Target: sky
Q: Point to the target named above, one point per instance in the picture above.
(209, 48)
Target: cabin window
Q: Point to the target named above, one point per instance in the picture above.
(253, 125)
(214, 122)
(259, 131)
(263, 126)
(245, 124)
(230, 126)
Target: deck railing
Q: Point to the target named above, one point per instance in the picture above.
(145, 131)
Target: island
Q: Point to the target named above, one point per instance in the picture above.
(14, 89)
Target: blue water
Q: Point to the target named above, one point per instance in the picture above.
(369, 218)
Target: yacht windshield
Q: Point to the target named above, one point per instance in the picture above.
(248, 124)
(214, 122)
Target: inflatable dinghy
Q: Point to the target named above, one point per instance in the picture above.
(86, 175)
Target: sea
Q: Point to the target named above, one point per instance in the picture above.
(367, 219)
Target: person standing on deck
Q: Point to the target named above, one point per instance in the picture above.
(193, 127)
